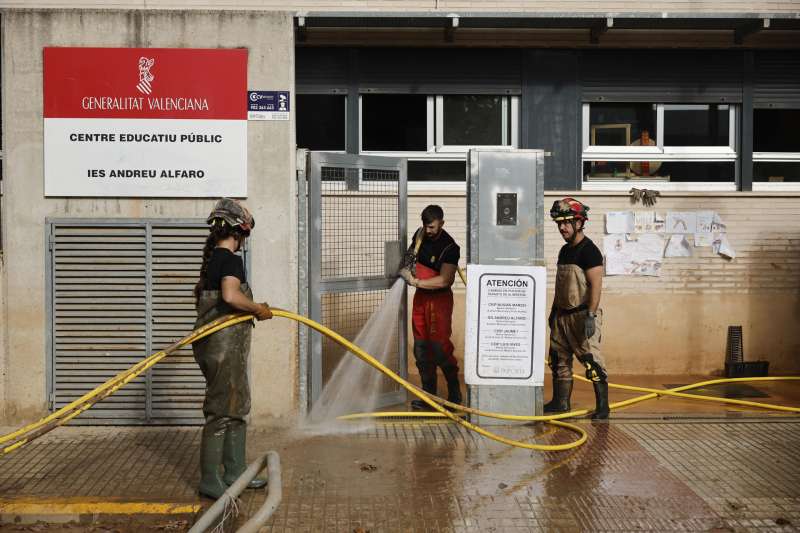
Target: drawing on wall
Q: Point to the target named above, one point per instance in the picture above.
(636, 241)
(683, 222)
(678, 246)
(705, 221)
(659, 222)
(619, 222)
(703, 240)
(633, 257)
(723, 247)
(644, 221)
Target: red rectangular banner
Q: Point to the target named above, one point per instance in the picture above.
(167, 83)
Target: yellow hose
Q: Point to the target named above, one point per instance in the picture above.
(32, 431)
(35, 430)
(349, 346)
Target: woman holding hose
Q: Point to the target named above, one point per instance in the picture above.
(221, 290)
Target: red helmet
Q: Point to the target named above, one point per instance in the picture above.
(569, 209)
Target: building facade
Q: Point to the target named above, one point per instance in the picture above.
(698, 100)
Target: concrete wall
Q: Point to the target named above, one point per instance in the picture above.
(3, 337)
(677, 323)
(562, 6)
(271, 183)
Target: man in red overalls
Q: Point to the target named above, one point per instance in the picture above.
(433, 263)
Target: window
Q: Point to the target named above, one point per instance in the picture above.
(776, 149)
(393, 122)
(472, 120)
(659, 143)
(321, 121)
(622, 124)
(435, 132)
(428, 170)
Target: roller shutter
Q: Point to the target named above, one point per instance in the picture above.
(777, 80)
(119, 291)
(661, 76)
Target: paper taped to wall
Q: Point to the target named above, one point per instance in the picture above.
(638, 257)
(619, 222)
(678, 246)
(683, 222)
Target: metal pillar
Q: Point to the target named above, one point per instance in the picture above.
(505, 191)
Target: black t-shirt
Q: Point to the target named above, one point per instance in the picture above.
(434, 252)
(223, 263)
(586, 255)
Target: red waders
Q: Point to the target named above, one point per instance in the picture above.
(431, 320)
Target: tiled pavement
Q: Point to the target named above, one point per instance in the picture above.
(630, 476)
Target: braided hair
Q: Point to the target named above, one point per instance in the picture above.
(218, 231)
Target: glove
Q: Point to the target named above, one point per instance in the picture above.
(551, 320)
(589, 326)
(263, 313)
(406, 275)
(650, 197)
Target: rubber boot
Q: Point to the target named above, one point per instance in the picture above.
(429, 386)
(562, 390)
(601, 409)
(233, 456)
(211, 446)
(453, 390)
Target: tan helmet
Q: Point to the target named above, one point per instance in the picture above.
(232, 212)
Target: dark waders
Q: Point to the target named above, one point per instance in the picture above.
(223, 357)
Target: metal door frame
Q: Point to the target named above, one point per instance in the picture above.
(310, 283)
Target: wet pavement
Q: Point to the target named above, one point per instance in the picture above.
(664, 467)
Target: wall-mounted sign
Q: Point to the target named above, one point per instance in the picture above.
(268, 105)
(145, 122)
(505, 333)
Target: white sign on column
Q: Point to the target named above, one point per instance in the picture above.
(505, 331)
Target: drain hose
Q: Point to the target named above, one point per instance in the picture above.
(27, 434)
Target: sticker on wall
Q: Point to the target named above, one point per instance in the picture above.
(145, 122)
(268, 105)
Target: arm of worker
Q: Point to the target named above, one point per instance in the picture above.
(234, 297)
(408, 259)
(446, 278)
(594, 279)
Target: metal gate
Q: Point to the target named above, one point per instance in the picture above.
(119, 290)
(352, 234)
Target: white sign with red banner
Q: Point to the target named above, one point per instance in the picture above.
(145, 122)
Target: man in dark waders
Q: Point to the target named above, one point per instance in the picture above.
(431, 266)
(576, 318)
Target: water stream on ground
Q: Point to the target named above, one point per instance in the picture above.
(355, 386)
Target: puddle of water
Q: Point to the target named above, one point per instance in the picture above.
(355, 386)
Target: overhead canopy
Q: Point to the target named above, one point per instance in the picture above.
(596, 24)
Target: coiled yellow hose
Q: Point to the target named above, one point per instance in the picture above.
(32, 431)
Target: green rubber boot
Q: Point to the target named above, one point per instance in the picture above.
(211, 446)
(233, 457)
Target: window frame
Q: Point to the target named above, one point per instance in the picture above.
(660, 152)
(437, 151)
(775, 157)
(345, 98)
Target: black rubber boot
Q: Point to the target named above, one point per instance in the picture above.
(562, 391)
(233, 456)
(211, 446)
(429, 386)
(454, 389)
(601, 409)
